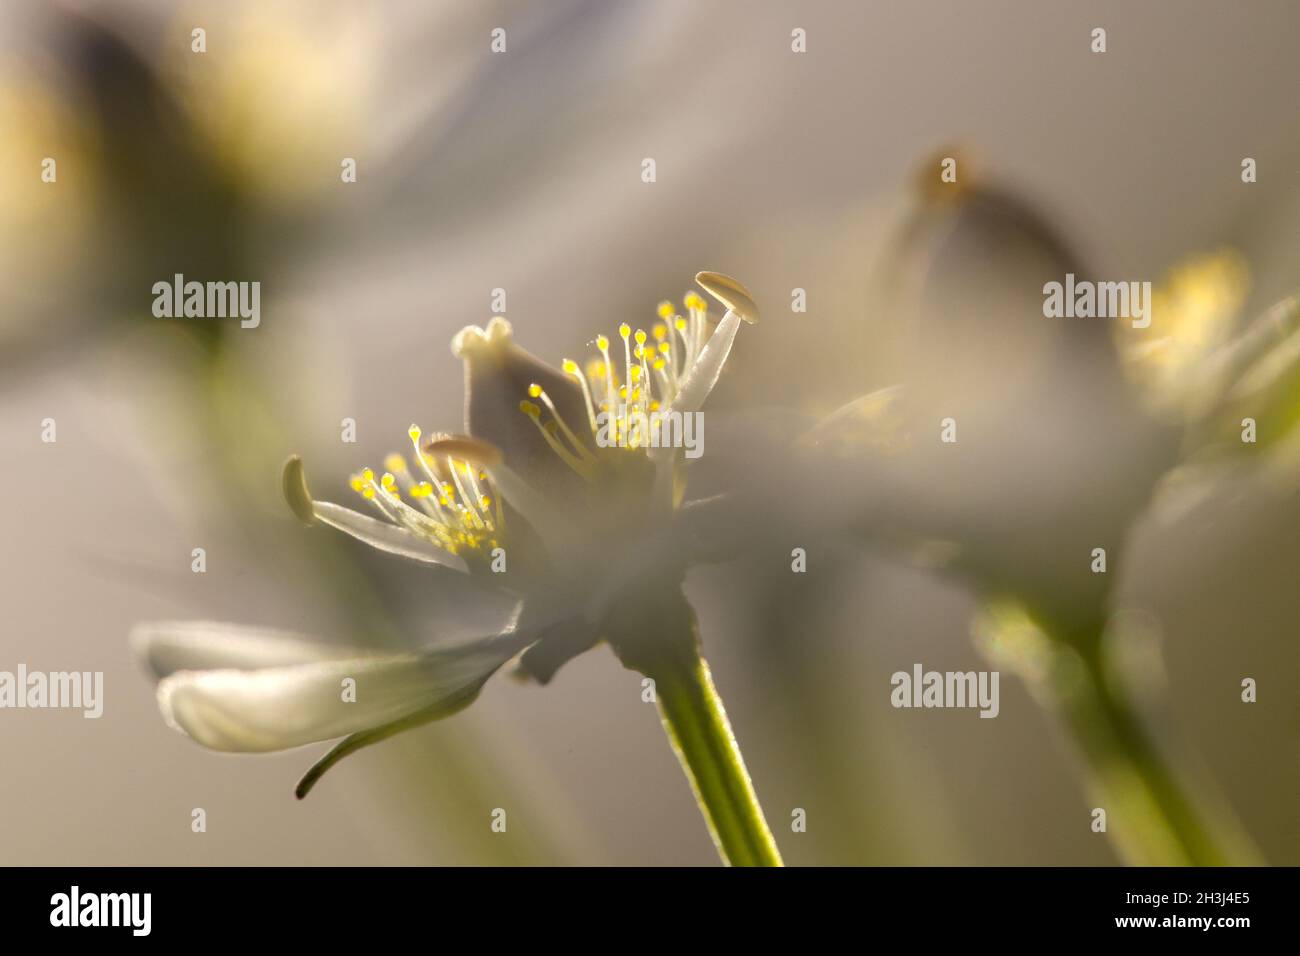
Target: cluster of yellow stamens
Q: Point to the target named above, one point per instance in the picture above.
(653, 366)
(452, 504)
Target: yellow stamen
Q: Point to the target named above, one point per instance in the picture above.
(583, 468)
(578, 446)
(469, 508)
(602, 343)
(625, 331)
(571, 367)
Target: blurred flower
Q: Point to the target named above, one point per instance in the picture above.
(1197, 370)
(1196, 304)
(280, 101)
(1061, 433)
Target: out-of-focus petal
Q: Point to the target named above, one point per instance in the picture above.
(556, 647)
(869, 422)
(560, 537)
(1192, 313)
(281, 707)
(165, 647)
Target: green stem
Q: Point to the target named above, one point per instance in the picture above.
(1152, 818)
(1157, 822)
(697, 726)
(656, 633)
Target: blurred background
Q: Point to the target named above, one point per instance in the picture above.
(522, 171)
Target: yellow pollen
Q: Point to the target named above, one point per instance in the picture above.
(624, 331)
(395, 463)
(640, 336)
(570, 367)
(358, 483)
(367, 476)
(665, 309)
(660, 332)
(535, 391)
(602, 342)
(529, 409)
(680, 324)
(414, 432)
(665, 347)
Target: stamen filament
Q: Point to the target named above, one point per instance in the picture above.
(536, 391)
(573, 369)
(580, 466)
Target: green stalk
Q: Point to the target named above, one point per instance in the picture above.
(697, 727)
(664, 646)
(1152, 818)
(1157, 821)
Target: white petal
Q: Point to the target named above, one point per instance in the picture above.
(282, 707)
(538, 509)
(385, 536)
(165, 647)
(703, 375)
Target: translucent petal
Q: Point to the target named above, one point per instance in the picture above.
(280, 707)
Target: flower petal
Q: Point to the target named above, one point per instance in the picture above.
(281, 707)
(870, 422)
(385, 536)
(165, 647)
(561, 538)
(497, 376)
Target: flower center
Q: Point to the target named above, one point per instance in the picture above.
(620, 398)
(452, 501)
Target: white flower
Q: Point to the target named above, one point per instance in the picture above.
(528, 502)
